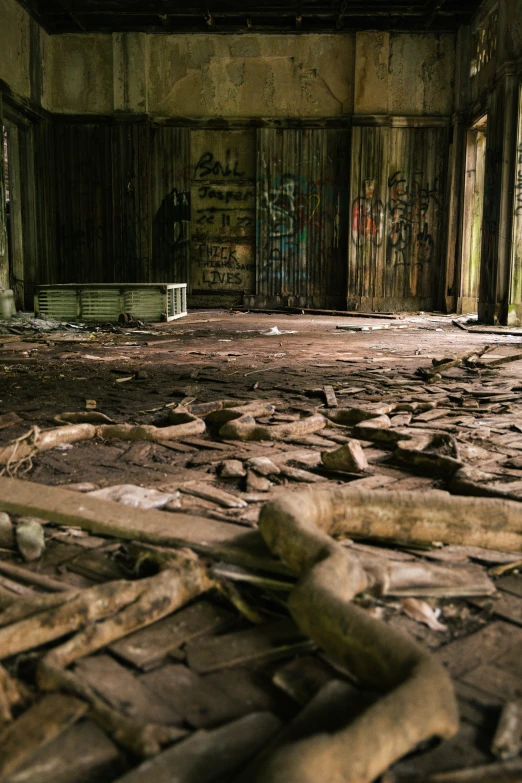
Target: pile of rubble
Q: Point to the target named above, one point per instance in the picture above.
(276, 584)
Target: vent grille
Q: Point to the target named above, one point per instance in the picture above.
(147, 304)
(99, 304)
(105, 302)
(58, 304)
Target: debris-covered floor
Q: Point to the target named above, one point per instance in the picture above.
(111, 672)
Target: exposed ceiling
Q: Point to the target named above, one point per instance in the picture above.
(241, 16)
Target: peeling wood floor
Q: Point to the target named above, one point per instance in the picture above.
(206, 669)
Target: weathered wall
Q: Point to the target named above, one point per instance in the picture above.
(237, 76)
(16, 34)
(78, 74)
(404, 74)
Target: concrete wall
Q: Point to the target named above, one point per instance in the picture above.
(404, 74)
(15, 47)
(238, 76)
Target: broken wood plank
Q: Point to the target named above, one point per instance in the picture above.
(198, 702)
(210, 492)
(111, 519)
(479, 648)
(32, 578)
(125, 692)
(82, 754)
(269, 642)
(36, 727)
(145, 649)
(331, 399)
(209, 756)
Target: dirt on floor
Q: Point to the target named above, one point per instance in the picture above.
(231, 668)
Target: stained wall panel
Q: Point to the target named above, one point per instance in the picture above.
(223, 211)
(396, 244)
(131, 161)
(170, 204)
(302, 205)
(82, 203)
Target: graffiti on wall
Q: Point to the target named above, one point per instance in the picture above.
(222, 211)
(404, 220)
(293, 214)
(409, 202)
(368, 217)
(222, 265)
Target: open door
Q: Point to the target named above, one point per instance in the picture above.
(467, 301)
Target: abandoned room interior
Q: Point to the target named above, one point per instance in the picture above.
(261, 391)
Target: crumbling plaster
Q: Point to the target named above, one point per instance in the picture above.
(253, 75)
(404, 73)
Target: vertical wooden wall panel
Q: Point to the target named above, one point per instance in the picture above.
(83, 206)
(45, 249)
(367, 246)
(170, 204)
(302, 206)
(131, 202)
(398, 193)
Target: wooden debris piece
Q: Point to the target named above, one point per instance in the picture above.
(264, 466)
(111, 519)
(246, 428)
(434, 454)
(257, 483)
(501, 360)
(350, 458)
(210, 492)
(23, 449)
(336, 703)
(266, 643)
(147, 648)
(422, 612)
(357, 414)
(33, 578)
(125, 692)
(209, 756)
(82, 753)
(37, 726)
(160, 595)
(185, 426)
(232, 468)
(197, 701)
(83, 417)
(140, 738)
(331, 399)
(296, 474)
(481, 647)
(507, 741)
(303, 677)
(75, 610)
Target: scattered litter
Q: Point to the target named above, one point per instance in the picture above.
(134, 496)
(422, 613)
(275, 331)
